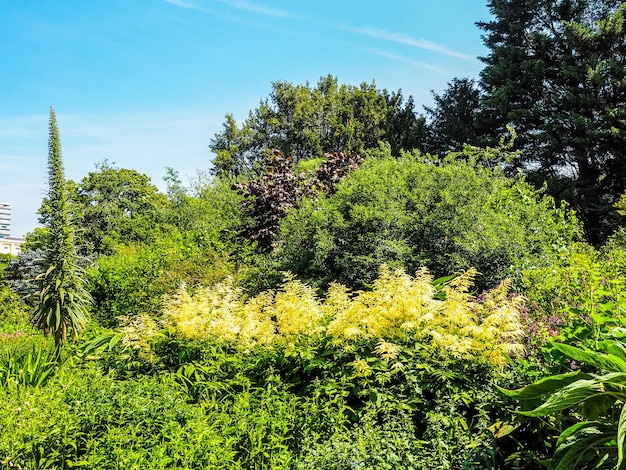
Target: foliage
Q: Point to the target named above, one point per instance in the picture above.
(89, 420)
(577, 299)
(11, 311)
(24, 366)
(109, 206)
(63, 302)
(597, 435)
(278, 189)
(209, 208)
(318, 393)
(555, 71)
(398, 306)
(406, 369)
(454, 120)
(133, 280)
(412, 212)
(372, 446)
(21, 273)
(306, 122)
(116, 205)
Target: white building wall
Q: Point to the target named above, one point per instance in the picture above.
(5, 219)
(11, 245)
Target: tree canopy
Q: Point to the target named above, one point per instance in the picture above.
(556, 72)
(306, 122)
(115, 205)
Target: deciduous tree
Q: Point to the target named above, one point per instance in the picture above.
(306, 122)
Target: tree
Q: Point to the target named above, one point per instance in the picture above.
(454, 118)
(116, 205)
(268, 198)
(556, 72)
(63, 302)
(306, 122)
(411, 213)
(110, 206)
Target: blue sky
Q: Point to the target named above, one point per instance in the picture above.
(147, 83)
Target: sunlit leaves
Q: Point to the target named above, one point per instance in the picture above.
(62, 304)
(397, 308)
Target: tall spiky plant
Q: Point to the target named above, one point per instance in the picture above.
(62, 305)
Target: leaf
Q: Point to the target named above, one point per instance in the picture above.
(569, 395)
(575, 393)
(440, 281)
(621, 438)
(607, 362)
(616, 348)
(585, 437)
(544, 386)
(106, 341)
(501, 429)
(595, 407)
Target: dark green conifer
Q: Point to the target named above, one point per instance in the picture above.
(556, 72)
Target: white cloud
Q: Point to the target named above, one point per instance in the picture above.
(401, 38)
(237, 4)
(255, 8)
(407, 60)
(182, 3)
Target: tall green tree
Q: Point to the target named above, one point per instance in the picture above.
(454, 119)
(63, 302)
(556, 72)
(116, 205)
(109, 206)
(304, 121)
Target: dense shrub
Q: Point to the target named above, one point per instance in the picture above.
(411, 212)
(84, 419)
(133, 280)
(399, 306)
(401, 376)
(12, 311)
(578, 298)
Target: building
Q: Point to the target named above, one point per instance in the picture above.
(5, 219)
(11, 245)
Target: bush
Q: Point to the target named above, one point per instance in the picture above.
(577, 299)
(411, 212)
(84, 419)
(133, 280)
(398, 307)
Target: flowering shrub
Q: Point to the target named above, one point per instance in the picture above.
(399, 306)
(578, 299)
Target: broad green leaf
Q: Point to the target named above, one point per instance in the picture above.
(544, 386)
(579, 442)
(575, 393)
(567, 396)
(576, 428)
(609, 362)
(595, 407)
(616, 348)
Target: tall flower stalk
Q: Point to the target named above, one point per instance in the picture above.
(62, 306)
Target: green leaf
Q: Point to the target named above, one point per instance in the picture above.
(569, 395)
(607, 362)
(544, 386)
(584, 438)
(616, 348)
(595, 407)
(575, 393)
(621, 438)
